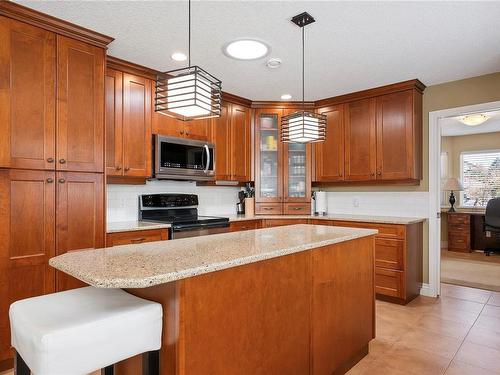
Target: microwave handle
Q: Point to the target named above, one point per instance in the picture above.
(207, 150)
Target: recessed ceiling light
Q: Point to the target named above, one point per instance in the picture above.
(273, 63)
(246, 49)
(178, 56)
(286, 97)
(474, 119)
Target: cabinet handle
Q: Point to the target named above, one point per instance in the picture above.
(62, 161)
(50, 160)
(297, 208)
(118, 167)
(372, 174)
(267, 208)
(127, 169)
(62, 180)
(50, 180)
(187, 133)
(138, 240)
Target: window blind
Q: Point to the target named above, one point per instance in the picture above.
(480, 176)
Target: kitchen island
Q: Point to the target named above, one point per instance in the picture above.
(295, 299)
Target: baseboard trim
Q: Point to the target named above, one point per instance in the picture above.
(427, 291)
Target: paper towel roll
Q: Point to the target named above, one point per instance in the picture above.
(321, 203)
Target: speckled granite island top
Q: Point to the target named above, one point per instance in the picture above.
(153, 263)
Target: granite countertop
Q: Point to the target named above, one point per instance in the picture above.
(153, 263)
(128, 226)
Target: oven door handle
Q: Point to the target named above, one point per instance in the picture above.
(181, 228)
(207, 150)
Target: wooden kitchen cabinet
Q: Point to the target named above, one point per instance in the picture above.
(329, 155)
(79, 219)
(231, 135)
(238, 226)
(80, 106)
(27, 100)
(128, 125)
(136, 237)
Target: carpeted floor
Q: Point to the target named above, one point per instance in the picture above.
(473, 270)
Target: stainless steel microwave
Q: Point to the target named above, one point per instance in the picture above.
(183, 159)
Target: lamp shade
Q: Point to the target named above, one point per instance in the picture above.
(452, 184)
(303, 127)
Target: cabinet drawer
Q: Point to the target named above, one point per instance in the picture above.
(384, 230)
(281, 222)
(136, 237)
(461, 242)
(389, 282)
(456, 218)
(268, 208)
(389, 253)
(321, 222)
(459, 228)
(244, 225)
(297, 209)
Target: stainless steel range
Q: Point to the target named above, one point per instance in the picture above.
(181, 210)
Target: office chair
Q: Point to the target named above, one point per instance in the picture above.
(492, 222)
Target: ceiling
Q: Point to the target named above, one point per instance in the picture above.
(452, 127)
(352, 46)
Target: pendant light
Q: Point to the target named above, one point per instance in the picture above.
(189, 93)
(303, 126)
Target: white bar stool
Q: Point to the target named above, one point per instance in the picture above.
(83, 330)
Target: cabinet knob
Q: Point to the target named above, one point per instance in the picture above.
(50, 180)
(50, 160)
(187, 133)
(118, 167)
(182, 131)
(379, 173)
(127, 169)
(372, 174)
(62, 161)
(62, 180)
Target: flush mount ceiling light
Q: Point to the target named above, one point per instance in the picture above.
(189, 93)
(178, 56)
(303, 126)
(246, 49)
(473, 120)
(286, 97)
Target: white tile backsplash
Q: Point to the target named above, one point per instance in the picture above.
(122, 200)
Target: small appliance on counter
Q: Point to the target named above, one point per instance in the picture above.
(180, 210)
(320, 203)
(240, 206)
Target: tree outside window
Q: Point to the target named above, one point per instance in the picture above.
(480, 172)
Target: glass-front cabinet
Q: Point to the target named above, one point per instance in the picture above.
(282, 170)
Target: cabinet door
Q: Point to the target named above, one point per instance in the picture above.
(395, 136)
(360, 140)
(80, 217)
(162, 124)
(268, 156)
(196, 129)
(137, 139)
(27, 214)
(297, 172)
(27, 96)
(80, 106)
(240, 143)
(221, 136)
(329, 155)
(114, 115)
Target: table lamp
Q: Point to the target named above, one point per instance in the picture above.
(451, 185)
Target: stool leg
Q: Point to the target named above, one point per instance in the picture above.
(151, 363)
(110, 370)
(20, 367)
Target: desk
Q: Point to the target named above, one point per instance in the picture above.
(465, 231)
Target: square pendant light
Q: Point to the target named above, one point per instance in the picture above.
(303, 127)
(188, 94)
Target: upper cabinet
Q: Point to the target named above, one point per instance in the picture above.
(380, 135)
(27, 96)
(231, 135)
(80, 106)
(128, 125)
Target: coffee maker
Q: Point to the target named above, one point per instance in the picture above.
(240, 206)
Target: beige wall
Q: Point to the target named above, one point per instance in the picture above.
(475, 90)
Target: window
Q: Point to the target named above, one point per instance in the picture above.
(480, 172)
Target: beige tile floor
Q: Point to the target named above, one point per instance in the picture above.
(456, 334)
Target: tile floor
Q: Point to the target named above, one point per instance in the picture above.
(457, 334)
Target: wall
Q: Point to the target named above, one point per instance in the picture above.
(475, 90)
(122, 200)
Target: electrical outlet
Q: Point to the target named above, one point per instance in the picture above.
(355, 202)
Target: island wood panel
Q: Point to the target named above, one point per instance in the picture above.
(27, 96)
(114, 122)
(136, 237)
(80, 217)
(80, 106)
(360, 140)
(287, 315)
(27, 241)
(395, 139)
(240, 143)
(137, 140)
(329, 155)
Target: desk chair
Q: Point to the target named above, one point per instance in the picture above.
(492, 223)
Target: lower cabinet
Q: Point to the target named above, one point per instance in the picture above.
(43, 214)
(136, 237)
(237, 226)
(269, 223)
